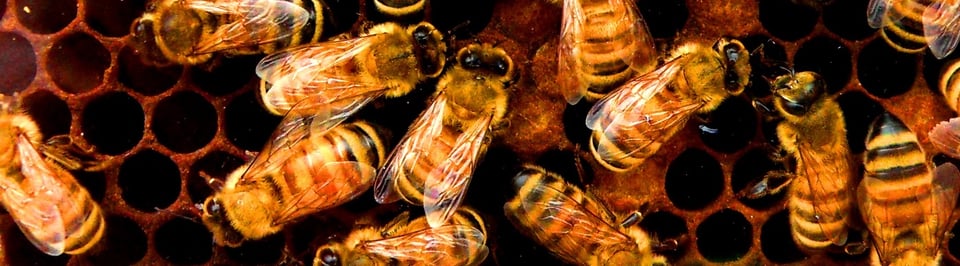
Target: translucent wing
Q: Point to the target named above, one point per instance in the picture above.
(568, 77)
(876, 11)
(567, 225)
(447, 184)
(324, 73)
(945, 137)
(644, 55)
(644, 107)
(814, 165)
(941, 28)
(254, 22)
(946, 187)
(418, 141)
(446, 245)
(33, 203)
(335, 183)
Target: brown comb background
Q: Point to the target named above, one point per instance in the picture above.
(160, 127)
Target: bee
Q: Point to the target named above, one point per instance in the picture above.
(945, 137)
(190, 31)
(941, 27)
(905, 203)
(307, 168)
(52, 209)
(573, 225)
(632, 122)
(903, 25)
(820, 193)
(462, 241)
(399, 8)
(949, 86)
(603, 43)
(435, 160)
(339, 77)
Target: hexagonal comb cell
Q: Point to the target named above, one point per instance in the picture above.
(157, 127)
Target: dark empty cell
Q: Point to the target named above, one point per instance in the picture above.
(18, 62)
(666, 227)
(216, 164)
(859, 110)
(182, 241)
(263, 251)
(149, 180)
(19, 251)
(786, 19)
(184, 122)
(465, 19)
(42, 16)
(144, 78)
(848, 19)
(112, 18)
(665, 18)
(344, 14)
(883, 71)
(248, 125)
(94, 182)
(49, 111)
(568, 165)
(768, 59)
(750, 169)
(827, 57)
(940, 158)
(230, 75)
(113, 122)
(694, 179)
(730, 127)
(724, 236)
(124, 243)
(776, 241)
(76, 62)
(575, 123)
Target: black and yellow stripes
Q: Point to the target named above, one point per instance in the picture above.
(605, 47)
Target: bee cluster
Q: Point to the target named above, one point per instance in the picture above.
(504, 114)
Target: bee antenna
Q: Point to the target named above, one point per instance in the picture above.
(214, 183)
(192, 219)
(456, 28)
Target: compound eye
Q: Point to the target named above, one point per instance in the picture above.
(732, 53)
(794, 108)
(213, 208)
(471, 61)
(329, 258)
(421, 36)
(501, 66)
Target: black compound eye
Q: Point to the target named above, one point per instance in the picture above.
(732, 52)
(329, 258)
(213, 208)
(794, 108)
(501, 66)
(471, 61)
(421, 35)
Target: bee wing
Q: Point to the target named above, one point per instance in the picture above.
(334, 183)
(639, 36)
(941, 27)
(416, 143)
(446, 185)
(568, 77)
(452, 244)
(946, 187)
(876, 11)
(34, 204)
(626, 110)
(945, 137)
(321, 72)
(576, 227)
(815, 163)
(256, 22)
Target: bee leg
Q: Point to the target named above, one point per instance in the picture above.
(636, 216)
(858, 247)
(72, 156)
(772, 183)
(666, 245)
(214, 183)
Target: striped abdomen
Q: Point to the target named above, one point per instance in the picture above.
(83, 219)
(905, 34)
(327, 160)
(463, 255)
(897, 193)
(308, 33)
(620, 148)
(605, 43)
(411, 180)
(400, 8)
(949, 86)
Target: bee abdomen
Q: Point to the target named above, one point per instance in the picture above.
(949, 86)
(604, 49)
(815, 229)
(84, 223)
(308, 33)
(906, 33)
(410, 184)
(893, 152)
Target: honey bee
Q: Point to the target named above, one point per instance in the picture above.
(603, 43)
(462, 241)
(949, 85)
(52, 209)
(307, 168)
(573, 225)
(434, 162)
(339, 77)
(941, 27)
(400, 8)
(190, 31)
(820, 195)
(945, 137)
(905, 204)
(632, 122)
(901, 24)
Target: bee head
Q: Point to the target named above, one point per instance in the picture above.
(214, 216)
(429, 48)
(169, 31)
(486, 57)
(796, 93)
(736, 59)
(327, 256)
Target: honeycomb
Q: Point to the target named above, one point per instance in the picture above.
(161, 126)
